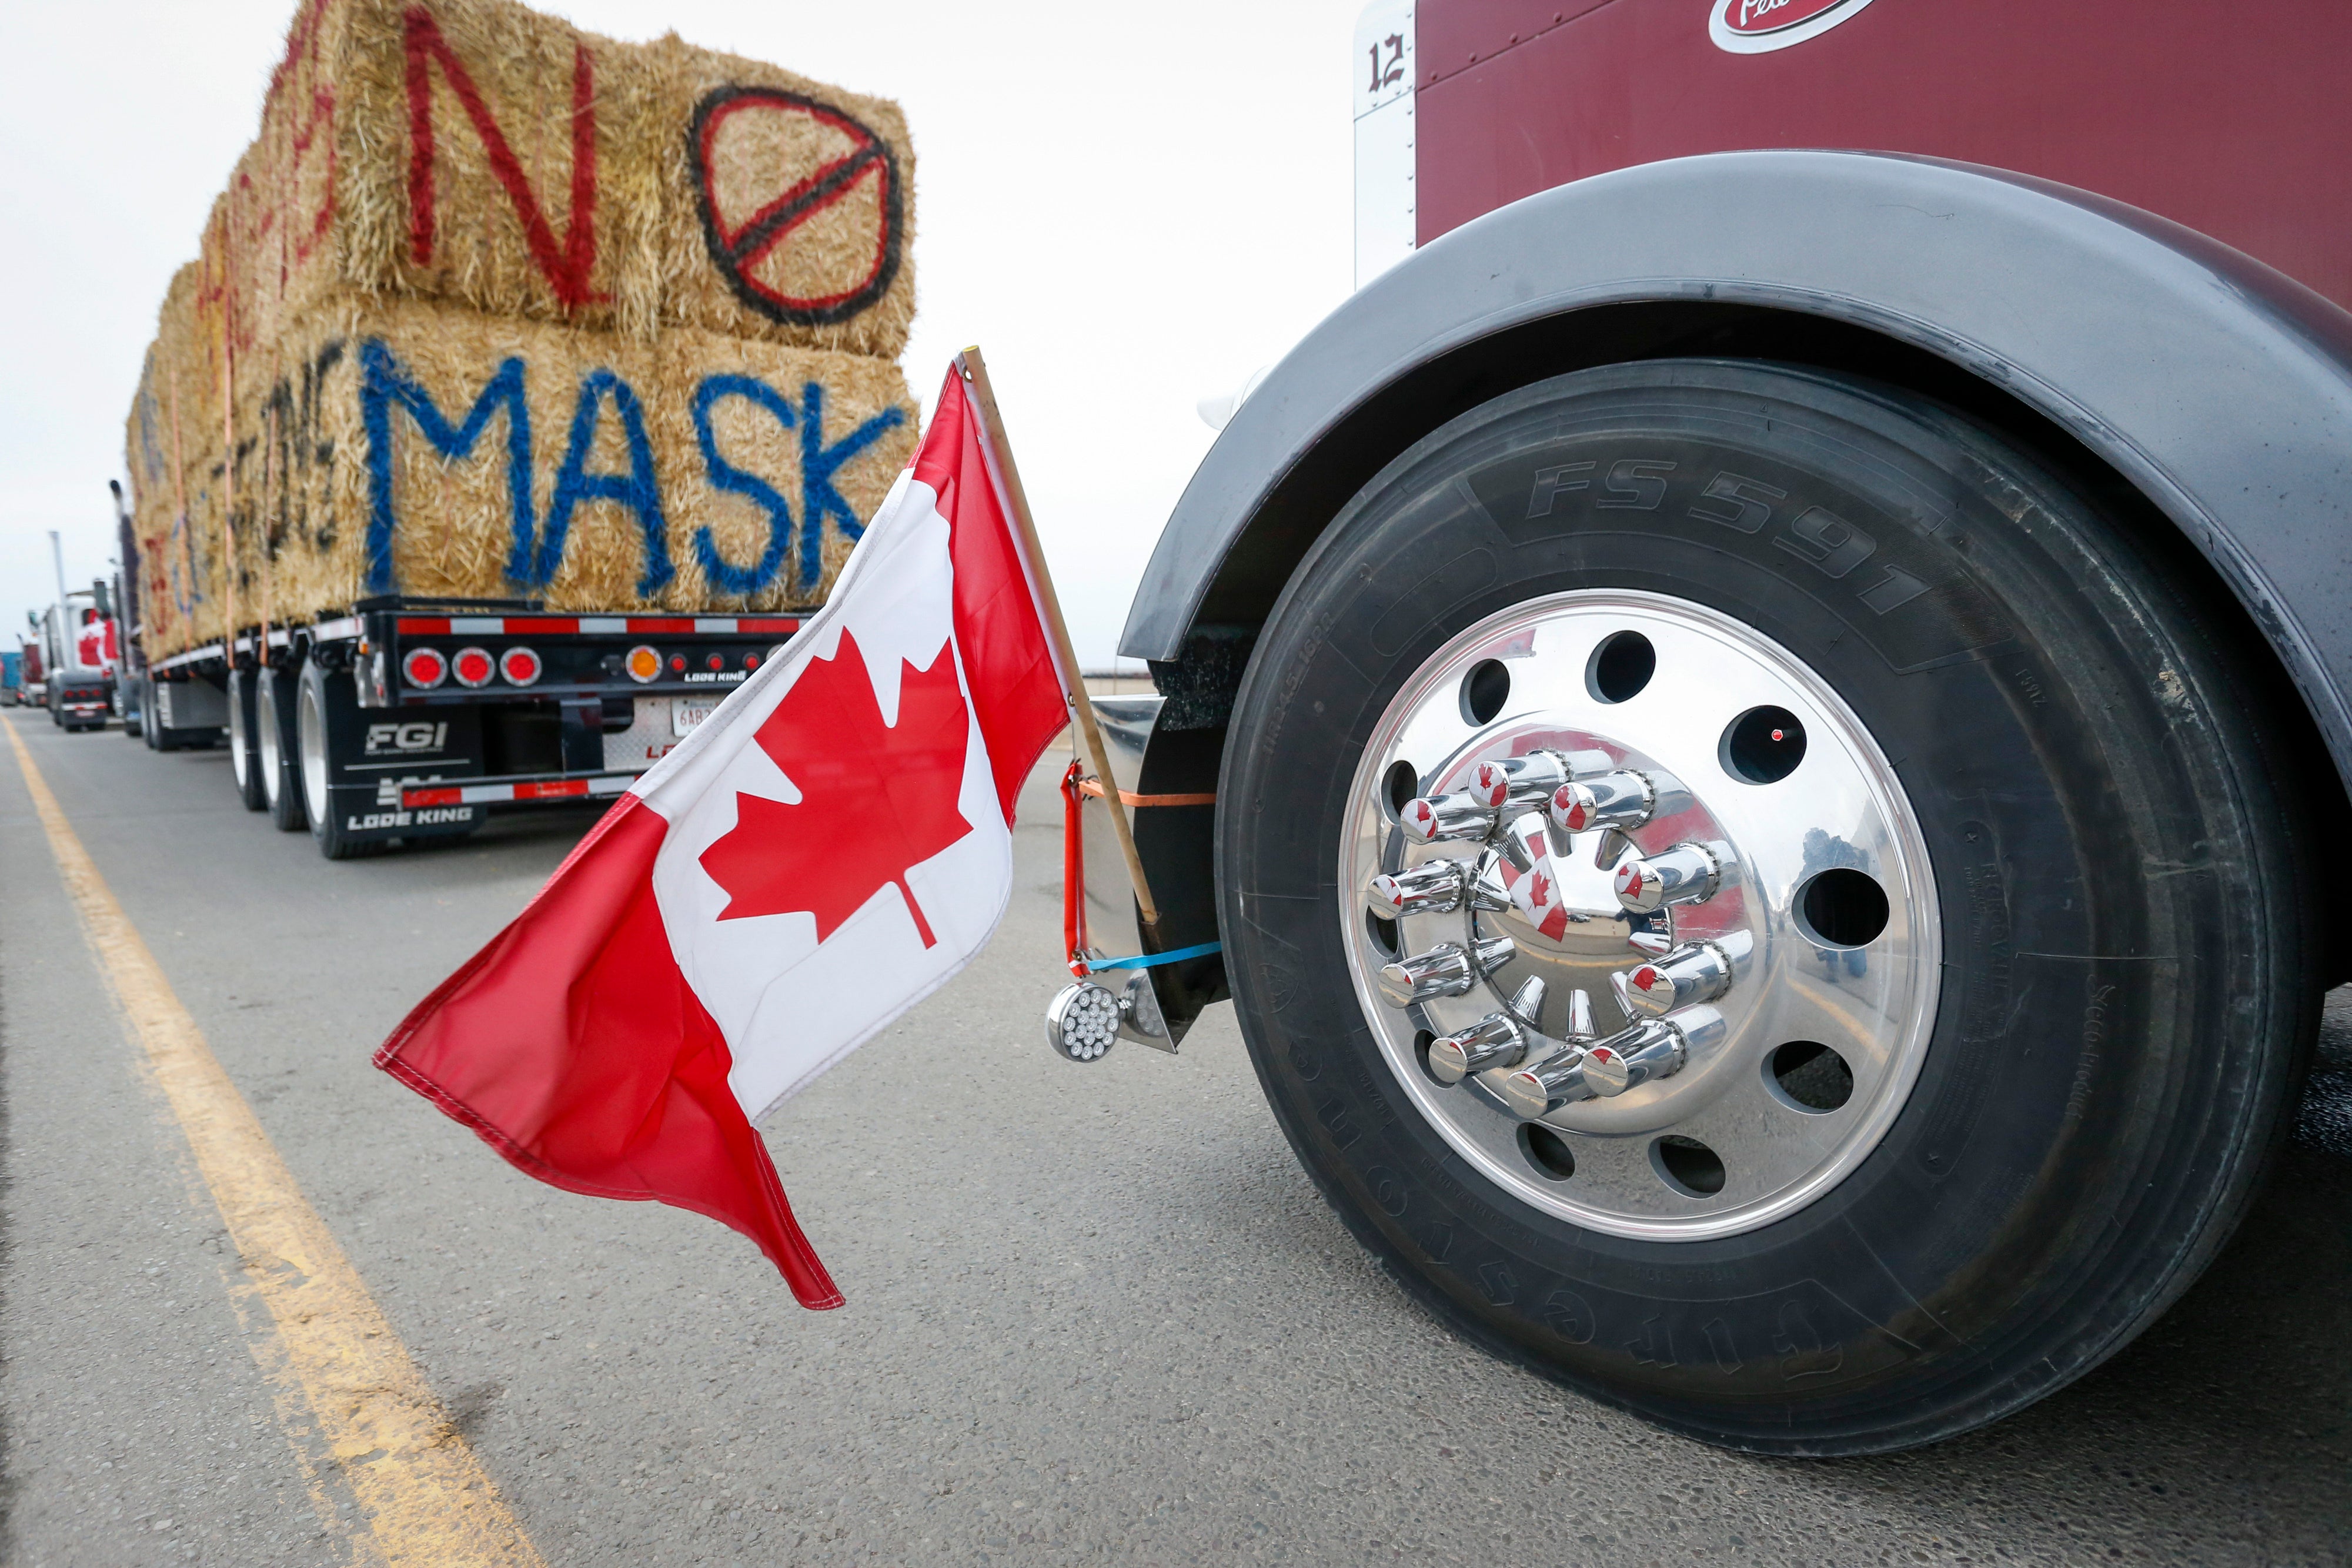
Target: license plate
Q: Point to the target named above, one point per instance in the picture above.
(685, 713)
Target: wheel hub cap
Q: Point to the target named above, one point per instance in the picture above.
(1672, 933)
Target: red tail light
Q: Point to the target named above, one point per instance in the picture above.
(521, 667)
(424, 667)
(473, 667)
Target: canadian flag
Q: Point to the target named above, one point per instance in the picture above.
(824, 850)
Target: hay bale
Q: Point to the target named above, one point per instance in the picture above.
(789, 206)
(383, 458)
(169, 441)
(477, 152)
(783, 454)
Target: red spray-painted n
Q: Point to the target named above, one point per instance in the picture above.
(568, 267)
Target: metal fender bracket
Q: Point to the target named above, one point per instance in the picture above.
(1166, 775)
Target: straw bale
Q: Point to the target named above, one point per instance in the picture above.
(789, 206)
(543, 210)
(377, 459)
(782, 455)
(560, 177)
(171, 438)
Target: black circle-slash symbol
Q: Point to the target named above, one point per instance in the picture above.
(736, 253)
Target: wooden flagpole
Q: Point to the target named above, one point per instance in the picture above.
(974, 370)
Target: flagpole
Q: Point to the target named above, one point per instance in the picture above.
(1074, 683)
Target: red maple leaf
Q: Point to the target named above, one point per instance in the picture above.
(876, 799)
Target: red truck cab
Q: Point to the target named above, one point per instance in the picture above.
(1777, 687)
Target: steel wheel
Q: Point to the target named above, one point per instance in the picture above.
(1779, 1052)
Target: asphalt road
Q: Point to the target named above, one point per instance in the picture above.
(1093, 1311)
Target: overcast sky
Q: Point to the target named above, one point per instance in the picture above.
(1128, 207)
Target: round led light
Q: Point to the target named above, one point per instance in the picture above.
(717, 662)
(521, 667)
(424, 667)
(677, 662)
(643, 663)
(472, 667)
(751, 661)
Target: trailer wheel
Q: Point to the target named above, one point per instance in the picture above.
(148, 730)
(1932, 882)
(274, 750)
(323, 699)
(244, 735)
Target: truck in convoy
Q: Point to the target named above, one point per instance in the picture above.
(77, 646)
(1776, 685)
(31, 688)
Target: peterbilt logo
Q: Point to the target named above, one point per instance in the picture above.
(1755, 26)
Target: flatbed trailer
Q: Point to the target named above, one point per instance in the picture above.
(406, 719)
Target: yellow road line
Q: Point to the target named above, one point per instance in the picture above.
(427, 1496)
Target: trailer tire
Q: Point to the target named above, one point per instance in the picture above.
(2115, 853)
(320, 702)
(243, 737)
(282, 786)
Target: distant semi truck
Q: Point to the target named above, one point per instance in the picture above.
(78, 640)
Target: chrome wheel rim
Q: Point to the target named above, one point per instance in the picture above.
(1696, 1102)
(314, 741)
(240, 760)
(266, 722)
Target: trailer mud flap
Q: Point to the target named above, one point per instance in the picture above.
(373, 755)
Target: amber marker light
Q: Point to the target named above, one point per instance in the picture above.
(643, 663)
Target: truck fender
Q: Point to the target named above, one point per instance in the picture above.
(2219, 388)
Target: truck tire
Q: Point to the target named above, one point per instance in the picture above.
(2006, 855)
(244, 741)
(275, 749)
(149, 731)
(323, 703)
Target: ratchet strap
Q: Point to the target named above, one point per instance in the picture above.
(1093, 787)
(1076, 789)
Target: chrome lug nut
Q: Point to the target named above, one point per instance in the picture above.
(1652, 1048)
(1622, 799)
(1436, 819)
(1527, 1002)
(1434, 887)
(1696, 972)
(1448, 969)
(1687, 873)
(1520, 781)
(1531, 1092)
(1493, 1042)
(1579, 1017)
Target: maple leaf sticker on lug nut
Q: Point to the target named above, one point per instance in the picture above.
(1760, 26)
(829, 734)
(802, 205)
